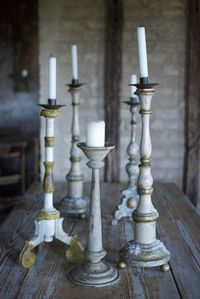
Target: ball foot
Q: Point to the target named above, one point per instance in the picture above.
(165, 267)
(121, 265)
(82, 216)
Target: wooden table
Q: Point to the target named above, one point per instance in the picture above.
(178, 227)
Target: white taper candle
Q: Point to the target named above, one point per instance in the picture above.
(52, 78)
(133, 80)
(74, 62)
(95, 134)
(142, 49)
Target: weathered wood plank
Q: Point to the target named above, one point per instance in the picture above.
(48, 278)
(178, 227)
(148, 282)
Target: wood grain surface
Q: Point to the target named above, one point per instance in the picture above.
(178, 227)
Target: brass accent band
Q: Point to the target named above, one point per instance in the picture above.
(74, 89)
(75, 138)
(48, 215)
(52, 113)
(142, 111)
(149, 91)
(145, 162)
(48, 185)
(144, 191)
(145, 217)
(75, 159)
(49, 141)
(49, 166)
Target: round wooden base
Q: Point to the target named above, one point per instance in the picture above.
(142, 255)
(75, 206)
(94, 274)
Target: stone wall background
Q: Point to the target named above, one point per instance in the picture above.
(64, 22)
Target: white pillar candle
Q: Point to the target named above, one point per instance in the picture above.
(133, 80)
(74, 62)
(52, 78)
(95, 134)
(142, 52)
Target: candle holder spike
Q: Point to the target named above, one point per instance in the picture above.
(94, 271)
(130, 197)
(49, 223)
(145, 250)
(75, 203)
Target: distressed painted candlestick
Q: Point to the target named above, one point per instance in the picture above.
(95, 272)
(49, 223)
(145, 250)
(75, 203)
(129, 199)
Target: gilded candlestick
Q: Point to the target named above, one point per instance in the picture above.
(129, 195)
(145, 250)
(75, 203)
(48, 224)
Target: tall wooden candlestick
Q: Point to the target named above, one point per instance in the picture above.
(145, 250)
(130, 196)
(95, 272)
(75, 203)
(49, 223)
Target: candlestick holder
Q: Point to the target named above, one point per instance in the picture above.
(75, 203)
(49, 223)
(145, 250)
(130, 197)
(95, 272)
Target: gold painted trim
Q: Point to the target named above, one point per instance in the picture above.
(148, 91)
(49, 141)
(50, 215)
(48, 165)
(143, 111)
(75, 159)
(50, 113)
(75, 89)
(145, 217)
(144, 191)
(145, 162)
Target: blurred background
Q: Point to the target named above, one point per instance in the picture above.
(105, 34)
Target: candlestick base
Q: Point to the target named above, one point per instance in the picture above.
(94, 274)
(75, 206)
(49, 226)
(128, 204)
(144, 255)
(94, 271)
